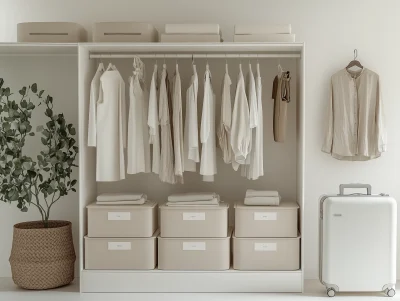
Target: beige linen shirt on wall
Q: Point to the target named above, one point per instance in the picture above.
(355, 126)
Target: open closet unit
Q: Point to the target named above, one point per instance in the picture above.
(283, 162)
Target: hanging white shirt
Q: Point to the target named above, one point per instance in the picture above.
(167, 153)
(138, 132)
(208, 165)
(224, 129)
(94, 97)
(240, 128)
(153, 122)
(111, 123)
(191, 143)
(177, 126)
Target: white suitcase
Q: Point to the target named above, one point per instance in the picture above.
(358, 242)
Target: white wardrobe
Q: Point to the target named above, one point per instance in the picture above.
(283, 162)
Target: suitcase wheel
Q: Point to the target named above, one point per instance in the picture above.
(331, 292)
(390, 292)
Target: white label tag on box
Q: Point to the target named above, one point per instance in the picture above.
(265, 247)
(265, 216)
(194, 216)
(194, 246)
(119, 246)
(119, 216)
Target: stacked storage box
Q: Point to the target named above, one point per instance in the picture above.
(263, 33)
(124, 32)
(266, 237)
(121, 237)
(194, 237)
(191, 33)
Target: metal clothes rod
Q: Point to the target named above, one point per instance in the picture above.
(189, 56)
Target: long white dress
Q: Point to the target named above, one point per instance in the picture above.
(240, 129)
(111, 126)
(259, 145)
(177, 126)
(208, 165)
(94, 97)
(224, 128)
(138, 132)
(191, 141)
(153, 122)
(167, 153)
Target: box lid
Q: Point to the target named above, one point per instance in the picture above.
(228, 236)
(148, 204)
(266, 238)
(284, 205)
(221, 206)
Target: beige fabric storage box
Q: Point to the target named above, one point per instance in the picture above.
(266, 254)
(124, 32)
(194, 221)
(121, 253)
(50, 32)
(266, 221)
(122, 220)
(194, 254)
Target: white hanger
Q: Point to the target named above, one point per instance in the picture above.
(280, 69)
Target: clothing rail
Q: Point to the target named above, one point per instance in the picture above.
(189, 56)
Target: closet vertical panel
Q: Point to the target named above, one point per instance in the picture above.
(87, 156)
(300, 91)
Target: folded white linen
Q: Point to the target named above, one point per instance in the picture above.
(264, 38)
(262, 28)
(262, 201)
(193, 196)
(213, 202)
(109, 197)
(253, 193)
(137, 202)
(192, 28)
(187, 38)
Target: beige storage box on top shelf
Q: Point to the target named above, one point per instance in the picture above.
(266, 254)
(124, 32)
(122, 220)
(194, 254)
(121, 253)
(266, 221)
(50, 32)
(194, 221)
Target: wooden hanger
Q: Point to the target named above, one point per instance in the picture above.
(354, 62)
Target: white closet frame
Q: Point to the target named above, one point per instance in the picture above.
(182, 281)
(171, 281)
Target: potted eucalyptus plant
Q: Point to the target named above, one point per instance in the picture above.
(42, 254)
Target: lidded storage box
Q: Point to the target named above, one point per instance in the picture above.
(124, 32)
(266, 221)
(194, 221)
(122, 220)
(121, 253)
(50, 32)
(194, 254)
(266, 254)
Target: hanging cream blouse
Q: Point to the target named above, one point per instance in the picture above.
(138, 132)
(191, 139)
(153, 122)
(111, 123)
(94, 97)
(355, 122)
(177, 126)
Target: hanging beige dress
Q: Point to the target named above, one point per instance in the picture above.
(281, 97)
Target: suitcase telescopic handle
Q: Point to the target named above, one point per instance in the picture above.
(354, 185)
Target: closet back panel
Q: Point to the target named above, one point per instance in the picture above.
(280, 159)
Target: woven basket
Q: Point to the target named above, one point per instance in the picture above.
(42, 258)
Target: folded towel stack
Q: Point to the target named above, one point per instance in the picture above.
(194, 199)
(262, 198)
(191, 33)
(121, 199)
(264, 33)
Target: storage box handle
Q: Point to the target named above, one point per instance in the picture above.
(354, 185)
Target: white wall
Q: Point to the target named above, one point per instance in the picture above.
(331, 30)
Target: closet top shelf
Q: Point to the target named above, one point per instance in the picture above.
(67, 49)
